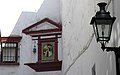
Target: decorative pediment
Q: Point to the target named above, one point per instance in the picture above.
(42, 27)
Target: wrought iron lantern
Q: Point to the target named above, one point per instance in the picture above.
(34, 49)
(102, 24)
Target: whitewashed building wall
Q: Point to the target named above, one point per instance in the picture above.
(80, 49)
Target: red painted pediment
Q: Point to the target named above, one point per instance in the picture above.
(43, 26)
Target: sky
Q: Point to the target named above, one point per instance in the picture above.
(10, 11)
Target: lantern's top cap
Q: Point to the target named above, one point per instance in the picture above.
(102, 4)
(102, 15)
(102, 7)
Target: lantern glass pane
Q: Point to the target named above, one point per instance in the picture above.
(95, 31)
(104, 31)
(104, 27)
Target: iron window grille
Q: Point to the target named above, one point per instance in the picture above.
(9, 52)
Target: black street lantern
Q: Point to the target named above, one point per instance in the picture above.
(102, 24)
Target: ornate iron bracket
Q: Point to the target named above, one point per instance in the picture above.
(115, 49)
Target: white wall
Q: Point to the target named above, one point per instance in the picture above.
(116, 29)
(80, 49)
